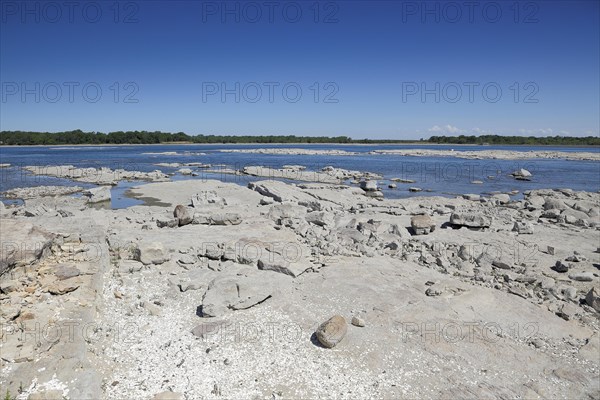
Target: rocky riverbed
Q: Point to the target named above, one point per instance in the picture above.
(304, 290)
(472, 155)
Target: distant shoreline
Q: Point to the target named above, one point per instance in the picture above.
(417, 143)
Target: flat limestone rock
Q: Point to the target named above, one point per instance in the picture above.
(275, 262)
(471, 220)
(22, 242)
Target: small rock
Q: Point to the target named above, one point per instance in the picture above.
(434, 290)
(471, 197)
(422, 224)
(502, 198)
(369, 186)
(561, 267)
(98, 195)
(567, 311)
(356, 321)
(63, 287)
(523, 227)
(592, 299)
(166, 222)
(9, 286)
(392, 186)
(265, 201)
(332, 331)
(414, 189)
(152, 253)
(582, 277)
(576, 257)
(63, 272)
(470, 220)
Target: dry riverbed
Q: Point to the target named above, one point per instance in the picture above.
(222, 291)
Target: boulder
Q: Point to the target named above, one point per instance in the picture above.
(185, 171)
(523, 227)
(98, 195)
(414, 189)
(422, 224)
(471, 220)
(183, 215)
(332, 331)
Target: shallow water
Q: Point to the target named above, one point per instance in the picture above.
(435, 175)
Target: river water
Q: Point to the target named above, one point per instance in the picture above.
(445, 176)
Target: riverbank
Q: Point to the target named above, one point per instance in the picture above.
(211, 299)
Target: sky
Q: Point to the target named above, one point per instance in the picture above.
(364, 69)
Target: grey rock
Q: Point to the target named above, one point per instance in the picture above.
(554, 204)
(561, 267)
(151, 253)
(167, 222)
(422, 224)
(592, 298)
(582, 277)
(331, 332)
(98, 195)
(63, 272)
(225, 219)
(356, 321)
(368, 186)
(275, 262)
(435, 290)
(320, 218)
(471, 220)
(523, 227)
(471, 197)
(183, 215)
(501, 198)
(265, 201)
(568, 311)
(521, 173)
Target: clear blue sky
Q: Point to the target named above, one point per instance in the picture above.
(373, 57)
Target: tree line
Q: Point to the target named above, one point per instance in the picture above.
(516, 140)
(157, 137)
